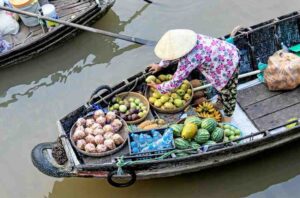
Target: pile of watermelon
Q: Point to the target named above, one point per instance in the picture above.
(196, 132)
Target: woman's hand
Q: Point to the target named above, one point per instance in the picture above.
(154, 68)
(152, 84)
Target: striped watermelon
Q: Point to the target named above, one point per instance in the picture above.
(194, 145)
(202, 136)
(217, 135)
(177, 128)
(193, 119)
(209, 124)
(209, 143)
(181, 143)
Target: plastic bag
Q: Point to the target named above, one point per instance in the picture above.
(283, 71)
(8, 25)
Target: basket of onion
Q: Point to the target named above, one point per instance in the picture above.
(130, 106)
(99, 134)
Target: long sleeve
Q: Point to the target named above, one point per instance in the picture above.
(164, 63)
(185, 67)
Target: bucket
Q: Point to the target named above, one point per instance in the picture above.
(29, 6)
(49, 11)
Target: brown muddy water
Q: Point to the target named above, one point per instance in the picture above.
(34, 94)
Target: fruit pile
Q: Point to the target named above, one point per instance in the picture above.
(195, 132)
(129, 109)
(231, 133)
(98, 133)
(177, 98)
(207, 110)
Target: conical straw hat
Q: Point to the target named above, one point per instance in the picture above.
(175, 44)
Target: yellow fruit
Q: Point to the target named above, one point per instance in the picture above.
(186, 97)
(150, 78)
(157, 81)
(156, 95)
(186, 82)
(184, 87)
(175, 96)
(162, 77)
(157, 103)
(152, 100)
(169, 105)
(164, 98)
(189, 91)
(189, 131)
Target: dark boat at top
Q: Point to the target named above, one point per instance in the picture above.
(32, 41)
(262, 114)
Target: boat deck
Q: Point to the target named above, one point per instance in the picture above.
(66, 10)
(268, 109)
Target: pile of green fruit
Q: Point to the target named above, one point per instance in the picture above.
(196, 132)
(231, 133)
(176, 99)
(129, 109)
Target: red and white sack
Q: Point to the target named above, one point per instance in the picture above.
(283, 71)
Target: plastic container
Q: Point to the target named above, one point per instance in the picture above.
(49, 11)
(156, 150)
(28, 6)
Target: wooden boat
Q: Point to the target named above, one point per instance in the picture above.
(265, 114)
(32, 41)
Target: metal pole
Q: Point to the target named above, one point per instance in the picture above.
(82, 27)
(240, 76)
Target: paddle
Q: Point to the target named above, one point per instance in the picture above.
(82, 27)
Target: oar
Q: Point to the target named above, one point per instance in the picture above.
(240, 76)
(82, 27)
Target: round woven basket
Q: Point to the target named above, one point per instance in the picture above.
(148, 91)
(142, 98)
(123, 132)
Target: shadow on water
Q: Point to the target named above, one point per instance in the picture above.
(46, 71)
(234, 180)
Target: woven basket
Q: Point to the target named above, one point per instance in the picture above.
(148, 91)
(144, 100)
(123, 132)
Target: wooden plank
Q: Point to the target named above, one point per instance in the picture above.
(273, 104)
(254, 94)
(277, 118)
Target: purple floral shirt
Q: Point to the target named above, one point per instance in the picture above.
(215, 59)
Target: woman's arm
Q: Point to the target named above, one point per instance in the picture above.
(185, 67)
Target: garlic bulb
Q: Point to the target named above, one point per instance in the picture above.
(110, 116)
(99, 139)
(110, 144)
(98, 132)
(98, 113)
(117, 139)
(108, 128)
(101, 148)
(89, 122)
(81, 144)
(78, 134)
(90, 139)
(101, 120)
(108, 135)
(90, 148)
(88, 131)
(80, 122)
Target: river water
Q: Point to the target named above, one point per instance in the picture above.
(34, 94)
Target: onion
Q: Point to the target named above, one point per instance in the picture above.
(89, 122)
(108, 135)
(95, 126)
(81, 144)
(80, 122)
(110, 144)
(90, 139)
(80, 128)
(78, 134)
(88, 131)
(101, 148)
(101, 120)
(116, 124)
(99, 139)
(117, 139)
(108, 128)
(110, 116)
(98, 132)
(90, 148)
(98, 113)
